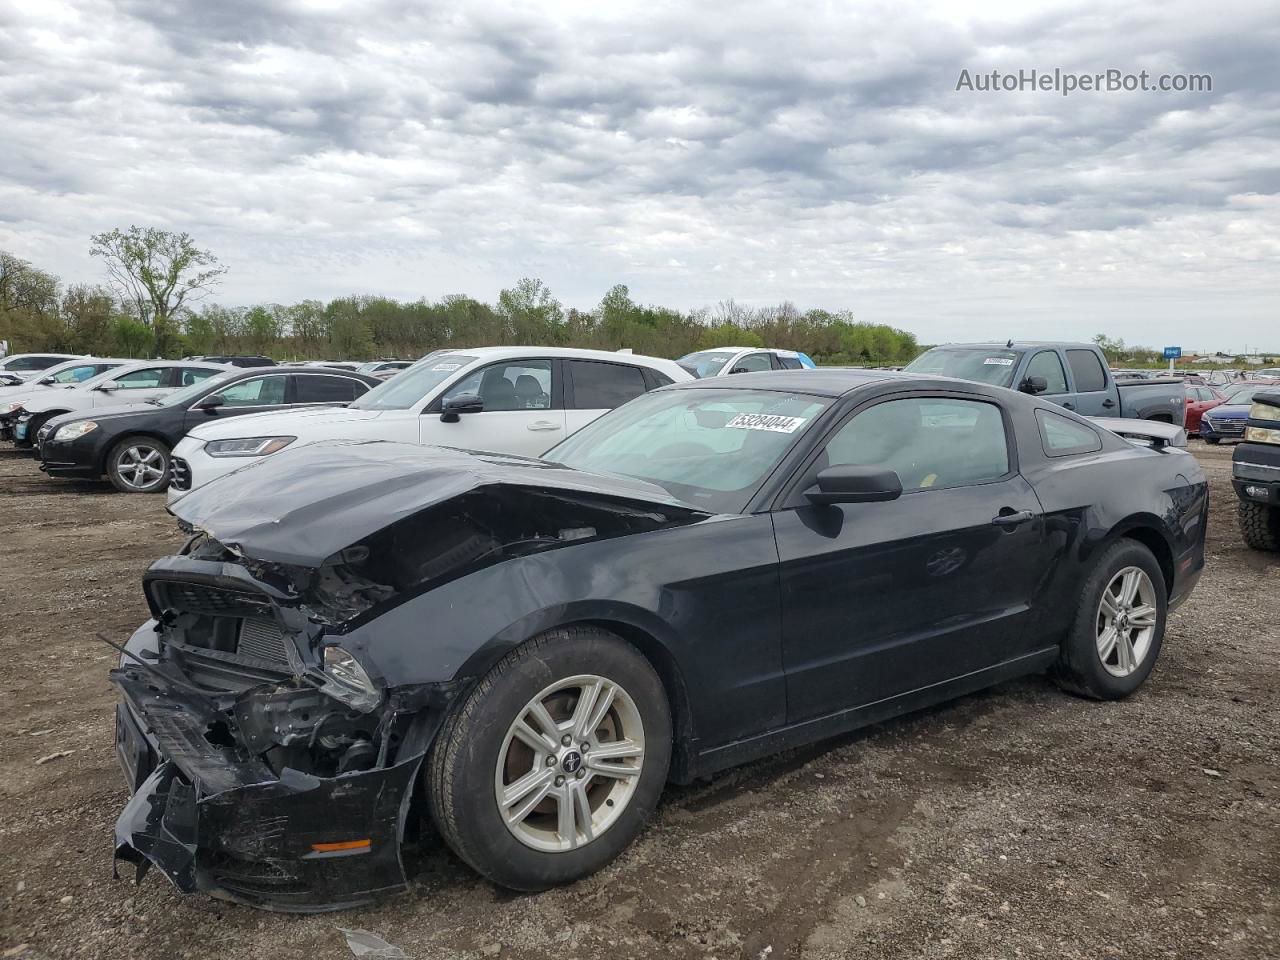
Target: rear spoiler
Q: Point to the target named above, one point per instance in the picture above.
(1158, 433)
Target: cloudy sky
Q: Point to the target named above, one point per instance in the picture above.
(695, 152)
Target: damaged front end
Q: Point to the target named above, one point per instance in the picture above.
(272, 726)
(268, 767)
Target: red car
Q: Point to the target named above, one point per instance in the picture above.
(1200, 399)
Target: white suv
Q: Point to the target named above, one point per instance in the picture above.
(518, 400)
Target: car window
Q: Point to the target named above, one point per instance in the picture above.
(190, 376)
(260, 391)
(753, 363)
(706, 363)
(510, 385)
(314, 388)
(1047, 364)
(993, 366)
(74, 374)
(1061, 437)
(1087, 370)
(711, 448)
(403, 391)
(603, 386)
(150, 377)
(790, 363)
(32, 363)
(930, 442)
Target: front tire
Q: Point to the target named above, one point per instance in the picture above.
(1118, 627)
(550, 767)
(139, 465)
(1259, 525)
(1213, 441)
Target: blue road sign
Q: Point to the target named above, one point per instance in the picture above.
(1172, 353)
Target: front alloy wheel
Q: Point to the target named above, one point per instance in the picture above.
(570, 763)
(550, 765)
(139, 465)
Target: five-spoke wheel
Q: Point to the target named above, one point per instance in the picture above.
(139, 465)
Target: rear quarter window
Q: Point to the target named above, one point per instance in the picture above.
(1063, 437)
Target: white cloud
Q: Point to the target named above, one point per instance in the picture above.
(823, 157)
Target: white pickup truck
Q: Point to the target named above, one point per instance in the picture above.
(518, 400)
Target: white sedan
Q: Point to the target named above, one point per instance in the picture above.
(723, 361)
(518, 400)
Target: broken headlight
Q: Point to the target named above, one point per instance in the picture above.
(247, 446)
(13, 407)
(347, 681)
(74, 431)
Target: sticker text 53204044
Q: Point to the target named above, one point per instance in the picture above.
(766, 421)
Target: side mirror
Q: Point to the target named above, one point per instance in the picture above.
(210, 403)
(464, 403)
(1034, 385)
(105, 388)
(850, 484)
(739, 370)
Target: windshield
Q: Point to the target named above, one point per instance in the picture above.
(708, 363)
(196, 390)
(1243, 395)
(407, 388)
(993, 366)
(709, 448)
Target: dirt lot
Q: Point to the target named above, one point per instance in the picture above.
(1017, 823)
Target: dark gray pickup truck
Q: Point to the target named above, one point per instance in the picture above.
(1074, 375)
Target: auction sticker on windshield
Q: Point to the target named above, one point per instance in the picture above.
(999, 361)
(447, 367)
(766, 421)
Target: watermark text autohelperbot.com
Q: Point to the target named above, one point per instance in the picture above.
(1066, 82)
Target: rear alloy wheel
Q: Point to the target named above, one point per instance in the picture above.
(1118, 627)
(550, 767)
(139, 465)
(1259, 525)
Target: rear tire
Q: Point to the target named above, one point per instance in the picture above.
(139, 464)
(1114, 639)
(1212, 441)
(530, 811)
(1259, 525)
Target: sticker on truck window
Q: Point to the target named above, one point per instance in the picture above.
(999, 361)
(447, 367)
(766, 421)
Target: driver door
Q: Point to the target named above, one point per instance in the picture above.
(882, 599)
(523, 410)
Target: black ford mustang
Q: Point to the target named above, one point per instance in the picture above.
(711, 573)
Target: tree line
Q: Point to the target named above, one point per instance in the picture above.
(154, 303)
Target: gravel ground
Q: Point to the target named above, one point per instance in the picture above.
(1020, 822)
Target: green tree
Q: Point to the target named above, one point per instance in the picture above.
(158, 273)
(531, 313)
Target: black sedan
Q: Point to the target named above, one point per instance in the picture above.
(714, 572)
(131, 444)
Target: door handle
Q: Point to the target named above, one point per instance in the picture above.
(1011, 519)
(1068, 405)
(1108, 404)
(543, 425)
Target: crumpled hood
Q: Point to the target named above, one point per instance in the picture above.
(280, 422)
(302, 505)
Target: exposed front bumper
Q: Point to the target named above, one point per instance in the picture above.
(1255, 473)
(215, 819)
(76, 458)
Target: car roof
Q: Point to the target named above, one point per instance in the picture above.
(823, 383)
(1017, 345)
(492, 353)
(236, 374)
